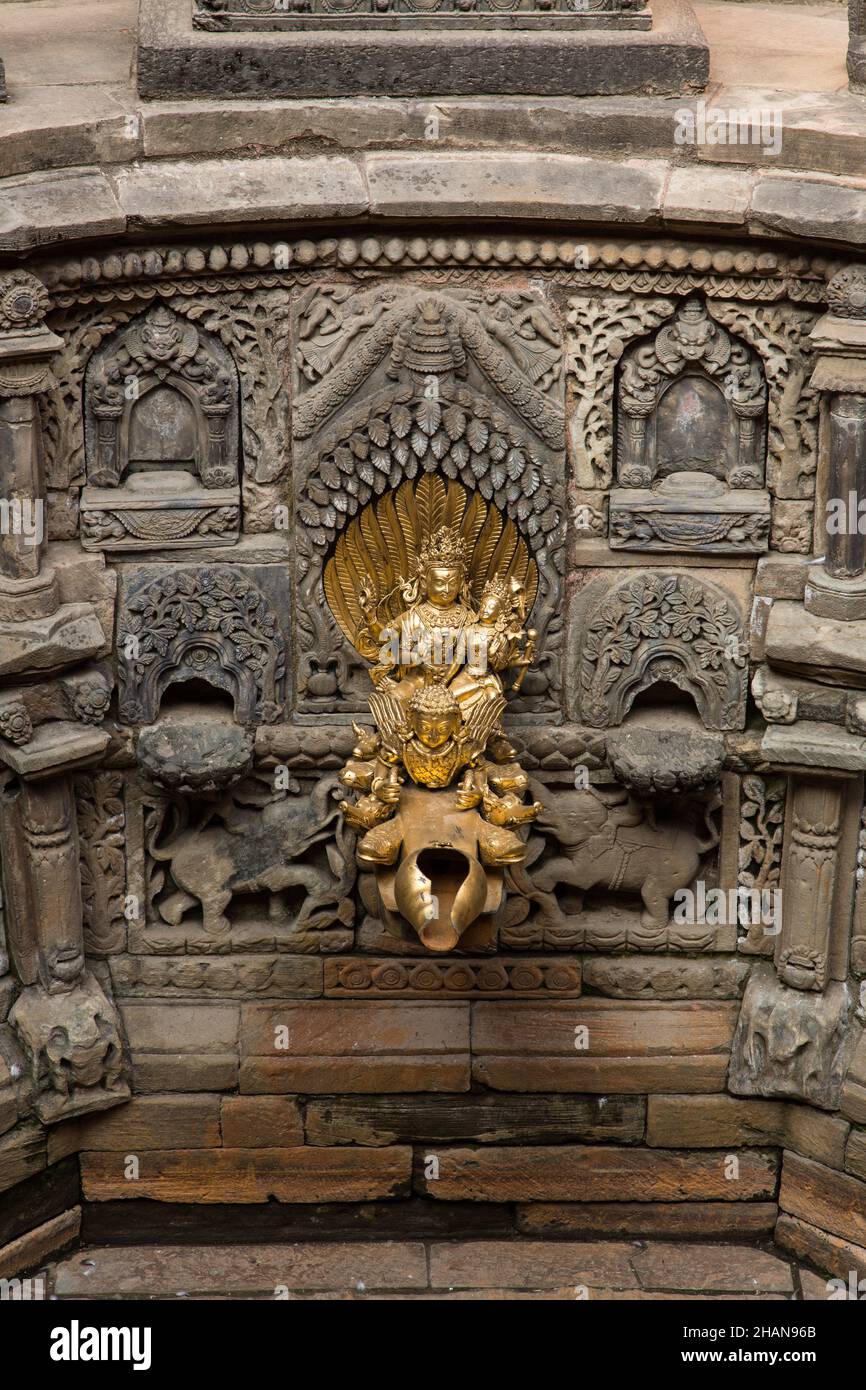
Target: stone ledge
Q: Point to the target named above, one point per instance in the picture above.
(394, 186)
(176, 60)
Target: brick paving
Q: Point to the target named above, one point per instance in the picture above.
(430, 1270)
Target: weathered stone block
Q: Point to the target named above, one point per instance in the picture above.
(251, 1175)
(260, 1122)
(820, 1196)
(639, 1220)
(479, 1118)
(572, 1174)
(175, 59)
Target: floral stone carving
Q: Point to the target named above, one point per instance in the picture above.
(214, 624)
(665, 627)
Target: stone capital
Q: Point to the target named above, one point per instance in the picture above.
(26, 343)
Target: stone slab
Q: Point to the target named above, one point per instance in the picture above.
(823, 210)
(640, 1220)
(165, 1271)
(45, 208)
(820, 1248)
(478, 1118)
(810, 744)
(514, 184)
(816, 1194)
(251, 1175)
(572, 1173)
(176, 60)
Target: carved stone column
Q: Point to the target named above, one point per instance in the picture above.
(798, 1027)
(837, 585)
(817, 883)
(37, 631)
(63, 1019)
(857, 44)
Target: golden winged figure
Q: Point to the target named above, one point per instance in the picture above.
(433, 588)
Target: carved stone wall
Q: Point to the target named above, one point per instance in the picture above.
(177, 711)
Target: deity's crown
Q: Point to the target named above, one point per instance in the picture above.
(445, 547)
(498, 585)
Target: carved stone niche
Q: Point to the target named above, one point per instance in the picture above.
(691, 435)
(662, 628)
(396, 382)
(216, 626)
(161, 438)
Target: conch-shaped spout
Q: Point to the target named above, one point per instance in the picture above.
(440, 892)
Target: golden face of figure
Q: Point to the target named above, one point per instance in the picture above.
(491, 608)
(434, 730)
(443, 584)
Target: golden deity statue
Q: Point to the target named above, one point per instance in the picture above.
(433, 589)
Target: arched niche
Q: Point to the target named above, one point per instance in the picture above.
(691, 405)
(668, 628)
(161, 412)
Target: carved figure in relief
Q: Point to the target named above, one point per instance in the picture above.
(438, 696)
(250, 844)
(608, 839)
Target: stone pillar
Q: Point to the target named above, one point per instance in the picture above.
(37, 631)
(857, 44)
(817, 880)
(798, 1023)
(837, 584)
(64, 1021)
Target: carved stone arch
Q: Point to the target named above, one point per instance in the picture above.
(160, 347)
(212, 624)
(327, 661)
(665, 627)
(397, 382)
(691, 397)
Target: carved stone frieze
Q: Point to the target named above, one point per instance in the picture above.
(779, 334)
(664, 627)
(694, 518)
(361, 977)
(599, 328)
(217, 624)
(63, 1020)
(615, 265)
(759, 860)
(255, 868)
(218, 16)
(607, 841)
(102, 842)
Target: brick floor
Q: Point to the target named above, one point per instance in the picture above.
(438, 1270)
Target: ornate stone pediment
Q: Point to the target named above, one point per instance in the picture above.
(394, 384)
